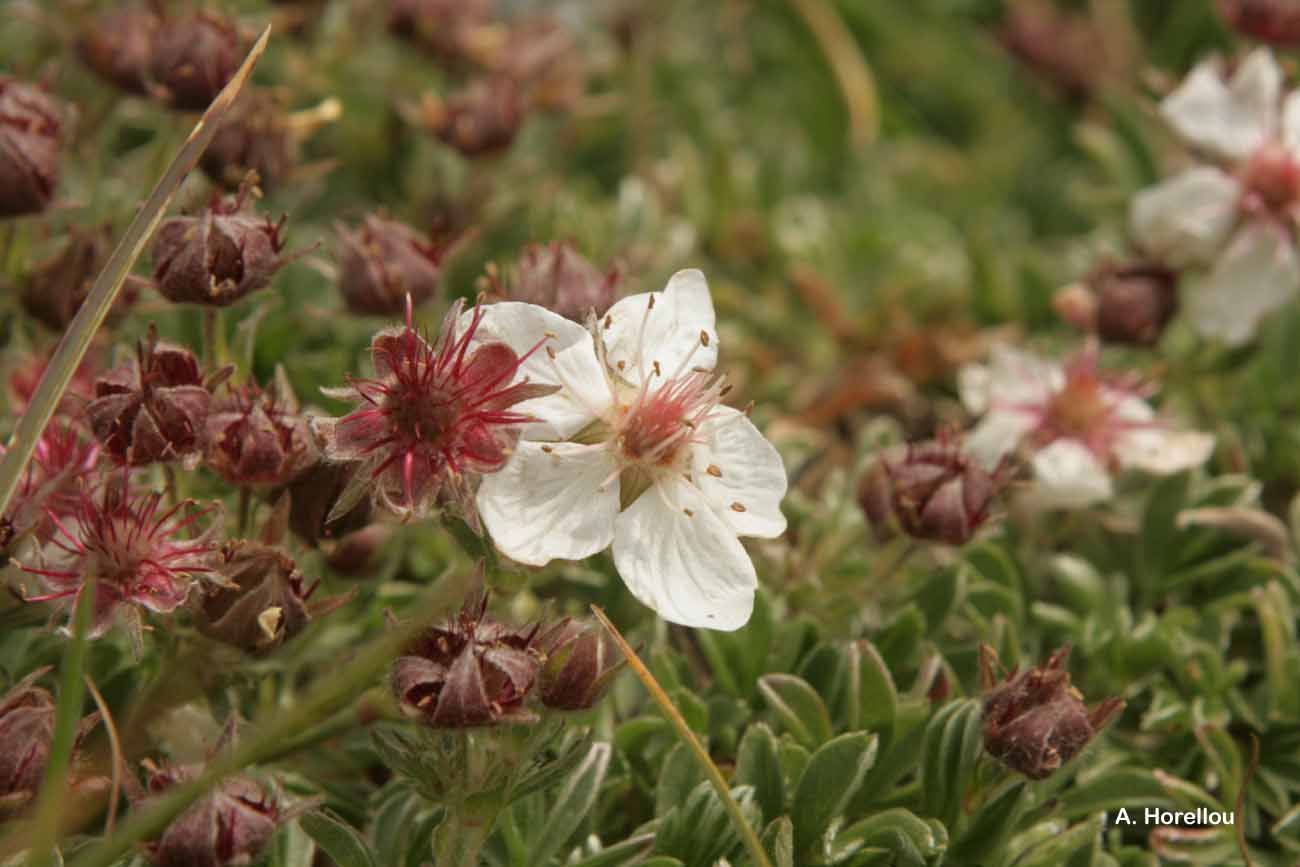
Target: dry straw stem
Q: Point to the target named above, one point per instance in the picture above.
(852, 74)
(692, 742)
(72, 348)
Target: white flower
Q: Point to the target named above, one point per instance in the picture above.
(637, 452)
(1231, 220)
(1078, 426)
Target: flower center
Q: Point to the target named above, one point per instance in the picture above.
(662, 420)
(1078, 409)
(1271, 179)
(424, 415)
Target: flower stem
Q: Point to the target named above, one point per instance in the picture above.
(54, 786)
(459, 839)
(852, 74)
(76, 340)
(688, 737)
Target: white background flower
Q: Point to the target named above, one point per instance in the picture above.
(654, 466)
(1231, 219)
(1078, 426)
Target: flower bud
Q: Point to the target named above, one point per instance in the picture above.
(580, 665)
(118, 46)
(1065, 50)
(441, 27)
(31, 128)
(358, 554)
(1035, 721)
(58, 286)
(930, 491)
(1135, 301)
(218, 256)
(557, 277)
(229, 827)
(541, 55)
(26, 729)
(480, 120)
(472, 672)
(261, 603)
(382, 262)
(194, 56)
(256, 438)
(255, 137)
(1276, 22)
(315, 493)
(154, 407)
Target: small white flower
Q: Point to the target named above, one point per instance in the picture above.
(1078, 426)
(637, 452)
(1231, 220)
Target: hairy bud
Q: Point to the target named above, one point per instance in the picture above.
(255, 437)
(1035, 721)
(31, 130)
(382, 262)
(118, 46)
(1135, 301)
(559, 278)
(26, 729)
(315, 494)
(443, 28)
(154, 407)
(930, 491)
(580, 665)
(229, 827)
(58, 286)
(194, 56)
(480, 120)
(218, 256)
(474, 671)
(256, 137)
(1276, 22)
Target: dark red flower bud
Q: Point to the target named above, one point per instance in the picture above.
(480, 120)
(153, 408)
(229, 827)
(118, 46)
(255, 137)
(580, 665)
(474, 671)
(1064, 49)
(314, 494)
(382, 262)
(1035, 721)
(261, 601)
(541, 55)
(444, 28)
(559, 278)
(359, 554)
(218, 256)
(194, 56)
(56, 288)
(31, 129)
(930, 491)
(1276, 22)
(26, 729)
(1135, 301)
(255, 437)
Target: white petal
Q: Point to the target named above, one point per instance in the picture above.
(669, 333)
(997, 435)
(746, 471)
(548, 502)
(974, 382)
(1022, 378)
(1186, 219)
(1291, 120)
(1228, 118)
(1161, 451)
(1257, 273)
(678, 557)
(585, 394)
(1067, 475)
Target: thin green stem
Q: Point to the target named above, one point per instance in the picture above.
(688, 737)
(54, 786)
(852, 74)
(72, 348)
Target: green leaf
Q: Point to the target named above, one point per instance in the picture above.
(758, 764)
(913, 840)
(678, 775)
(991, 826)
(1076, 845)
(827, 785)
(873, 698)
(337, 838)
(571, 805)
(800, 709)
(1156, 548)
(778, 842)
(1118, 787)
(952, 744)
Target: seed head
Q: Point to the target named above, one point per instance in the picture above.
(930, 490)
(433, 416)
(118, 46)
(220, 255)
(153, 408)
(1035, 721)
(382, 262)
(556, 276)
(255, 437)
(474, 671)
(31, 133)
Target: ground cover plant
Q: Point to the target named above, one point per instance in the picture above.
(760, 432)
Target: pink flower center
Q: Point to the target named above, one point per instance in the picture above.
(1086, 408)
(1271, 179)
(663, 420)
